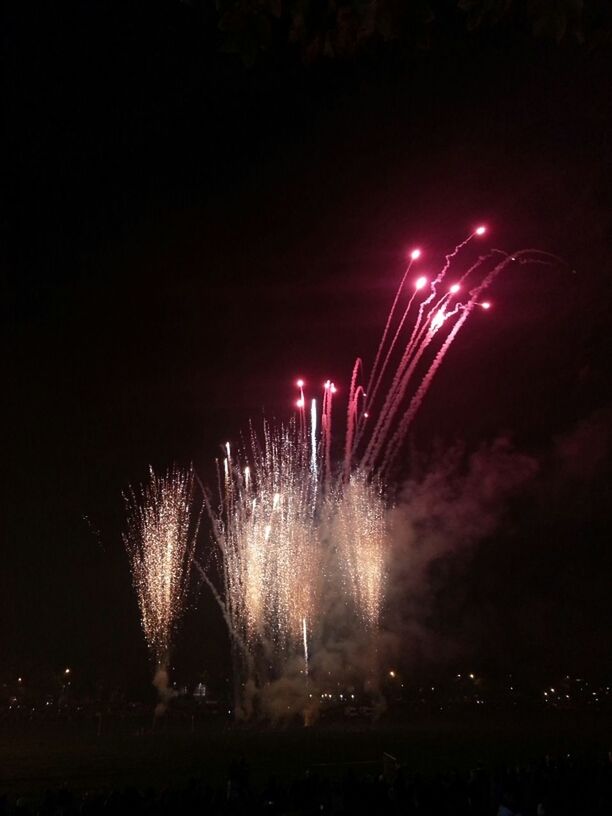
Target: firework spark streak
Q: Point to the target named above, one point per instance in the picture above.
(359, 530)
(159, 542)
(305, 638)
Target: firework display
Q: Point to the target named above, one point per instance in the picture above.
(297, 534)
(159, 541)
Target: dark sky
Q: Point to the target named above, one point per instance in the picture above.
(182, 235)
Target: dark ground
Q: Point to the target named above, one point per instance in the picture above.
(50, 755)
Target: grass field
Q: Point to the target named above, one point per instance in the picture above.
(37, 756)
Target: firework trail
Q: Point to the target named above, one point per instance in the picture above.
(427, 323)
(352, 415)
(159, 541)
(414, 255)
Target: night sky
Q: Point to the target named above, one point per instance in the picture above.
(182, 234)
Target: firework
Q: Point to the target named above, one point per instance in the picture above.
(268, 537)
(296, 534)
(159, 542)
(359, 531)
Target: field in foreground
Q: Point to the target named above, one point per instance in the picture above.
(37, 756)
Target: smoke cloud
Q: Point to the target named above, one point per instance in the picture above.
(460, 500)
(165, 692)
(441, 514)
(439, 517)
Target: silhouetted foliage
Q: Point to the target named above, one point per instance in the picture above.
(584, 21)
(315, 30)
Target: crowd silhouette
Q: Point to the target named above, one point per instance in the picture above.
(552, 786)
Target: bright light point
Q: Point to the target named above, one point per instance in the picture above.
(300, 403)
(420, 282)
(300, 383)
(455, 288)
(66, 671)
(333, 388)
(480, 230)
(486, 305)
(326, 384)
(391, 673)
(438, 320)
(366, 415)
(416, 253)
(471, 676)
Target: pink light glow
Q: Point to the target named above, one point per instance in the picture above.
(455, 288)
(300, 403)
(486, 305)
(416, 253)
(438, 319)
(333, 388)
(480, 230)
(300, 383)
(420, 282)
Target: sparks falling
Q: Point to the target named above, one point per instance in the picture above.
(359, 530)
(159, 542)
(269, 539)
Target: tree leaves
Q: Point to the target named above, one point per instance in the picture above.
(309, 31)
